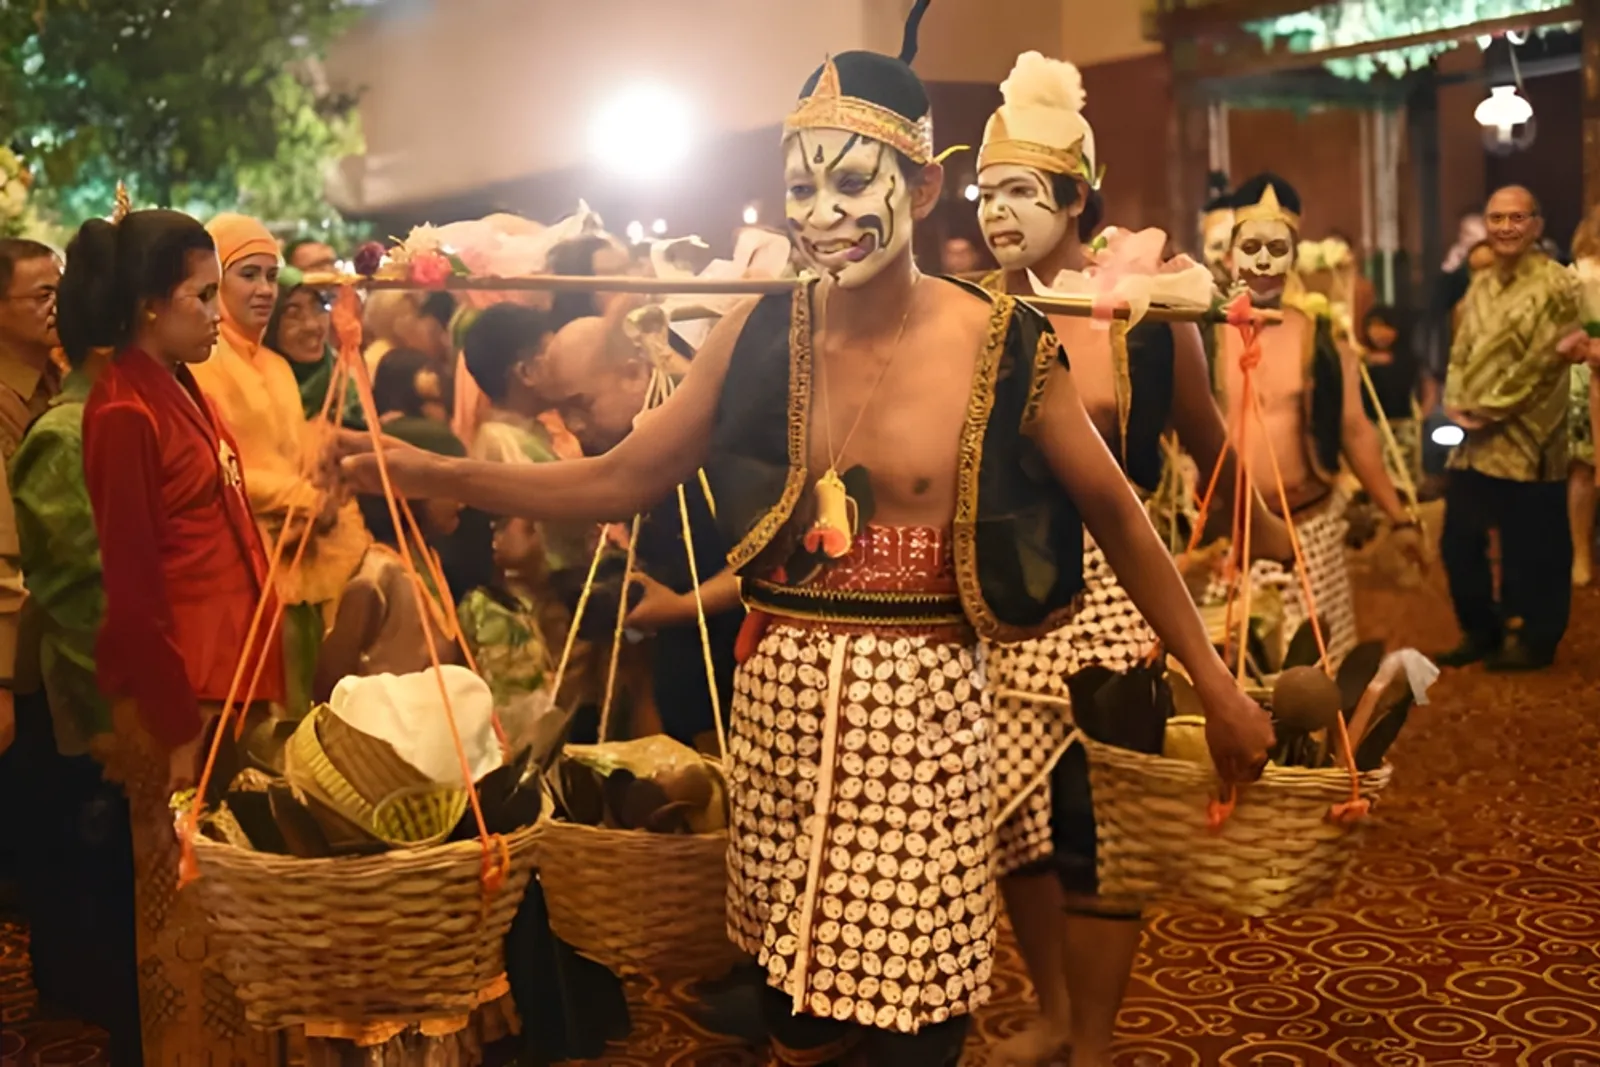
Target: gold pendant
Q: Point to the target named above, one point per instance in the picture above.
(835, 528)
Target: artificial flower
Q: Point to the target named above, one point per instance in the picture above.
(368, 258)
(431, 269)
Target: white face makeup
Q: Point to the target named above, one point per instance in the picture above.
(1263, 252)
(848, 205)
(1019, 216)
(1218, 237)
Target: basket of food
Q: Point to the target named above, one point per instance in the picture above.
(1167, 829)
(634, 863)
(356, 880)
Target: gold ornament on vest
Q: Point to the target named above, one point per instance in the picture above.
(827, 108)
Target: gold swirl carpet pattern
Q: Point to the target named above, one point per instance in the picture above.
(1467, 934)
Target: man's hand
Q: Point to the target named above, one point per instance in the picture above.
(406, 466)
(183, 765)
(659, 608)
(1408, 541)
(8, 719)
(1238, 732)
(1465, 420)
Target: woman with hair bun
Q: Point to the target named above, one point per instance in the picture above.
(183, 570)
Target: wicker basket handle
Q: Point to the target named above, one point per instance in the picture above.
(660, 388)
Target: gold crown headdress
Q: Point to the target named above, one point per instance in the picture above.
(827, 108)
(1267, 209)
(1041, 123)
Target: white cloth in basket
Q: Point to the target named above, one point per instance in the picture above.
(407, 711)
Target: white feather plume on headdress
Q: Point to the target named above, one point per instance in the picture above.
(1036, 81)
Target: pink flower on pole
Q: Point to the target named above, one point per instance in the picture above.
(430, 270)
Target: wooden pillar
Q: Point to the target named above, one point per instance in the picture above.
(1188, 151)
(1591, 102)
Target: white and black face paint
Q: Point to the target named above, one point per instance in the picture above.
(1263, 253)
(848, 205)
(1019, 216)
(1218, 237)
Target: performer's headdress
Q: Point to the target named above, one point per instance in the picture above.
(1218, 207)
(1267, 198)
(1041, 122)
(874, 95)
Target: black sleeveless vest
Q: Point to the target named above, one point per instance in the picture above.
(1018, 537)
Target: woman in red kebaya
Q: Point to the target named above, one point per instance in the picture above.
(184, 570)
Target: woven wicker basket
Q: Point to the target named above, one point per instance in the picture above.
(404, 934)
(639, 902)
(1277, 851)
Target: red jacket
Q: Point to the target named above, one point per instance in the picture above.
(183, 563)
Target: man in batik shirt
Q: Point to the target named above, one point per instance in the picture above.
(859, 763)
(1507, 388)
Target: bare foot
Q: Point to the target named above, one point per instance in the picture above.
(1581, 573)
(1042, 1044)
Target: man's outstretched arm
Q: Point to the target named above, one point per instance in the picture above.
(662, 451)
(1240, 733)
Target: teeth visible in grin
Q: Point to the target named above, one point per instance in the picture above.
(828, 248)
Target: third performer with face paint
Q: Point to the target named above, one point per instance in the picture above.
(1309, 385)
(1038, 204)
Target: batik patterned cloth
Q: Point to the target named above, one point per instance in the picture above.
(1031, 734)
(859, 764)
(1321, 531)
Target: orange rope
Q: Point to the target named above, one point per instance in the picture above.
(350, 365)
(1249, 327)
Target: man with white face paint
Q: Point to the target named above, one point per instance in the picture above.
(890, 496)
(1216, 232)
(1308, 386)
(1038, 204)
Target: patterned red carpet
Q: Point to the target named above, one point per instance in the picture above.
(1468, 933)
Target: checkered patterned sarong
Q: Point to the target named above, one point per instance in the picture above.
(1031, 734)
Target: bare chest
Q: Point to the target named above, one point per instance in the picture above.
(903, 421)
(1094, 375)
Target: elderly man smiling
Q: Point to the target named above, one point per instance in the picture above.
(1507, 388)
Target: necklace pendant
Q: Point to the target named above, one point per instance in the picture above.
(834, 530)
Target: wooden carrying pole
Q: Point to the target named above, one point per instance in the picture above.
(558, 283)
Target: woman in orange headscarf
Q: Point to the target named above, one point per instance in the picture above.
(256, 394)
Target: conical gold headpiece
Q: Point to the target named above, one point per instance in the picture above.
(1267, 209)
(124, 204)
(827, 108)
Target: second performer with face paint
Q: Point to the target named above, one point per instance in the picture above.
(1038, 205)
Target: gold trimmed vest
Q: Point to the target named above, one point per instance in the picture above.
(1018, 536)
(1144, 376)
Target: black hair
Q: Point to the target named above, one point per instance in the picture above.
(1217, 195)
(1250, 193)
(287, 293)
(295, 245)
(113, 268)
(439, 306)
(574, 257)
(1066, 188)
(14, 250)
(501, 337)
(1388, 315)
(394, 383)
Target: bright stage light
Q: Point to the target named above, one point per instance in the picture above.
(643, 133)
(1448, 435)
(970, 192)
(659, 227)
(1502, 112)
(751, 215)
(635, 232)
